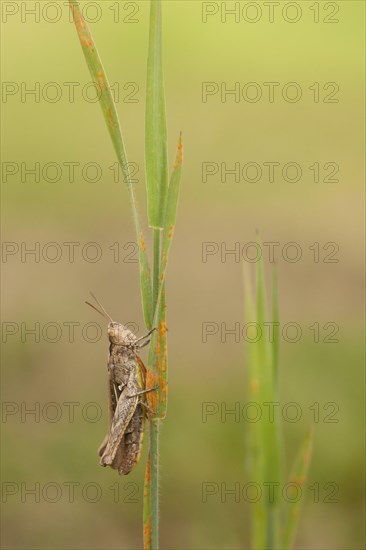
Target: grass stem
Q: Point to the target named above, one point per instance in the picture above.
(154, 482)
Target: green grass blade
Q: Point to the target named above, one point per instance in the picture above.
(267, 383)
(269, 428)
(154, 434)
(265, 437)
(276, 325)
(254, 446)
(157, 374)
(157, 361)
(111, 118)
(261, 299)
(299, 477)
(268, 439)
(146, 511)
(275, 367)
(156, 132)
(145, 280)
(171, 209)
(170, 216)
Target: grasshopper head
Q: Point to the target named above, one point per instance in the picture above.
(117, 333)
(120, 335)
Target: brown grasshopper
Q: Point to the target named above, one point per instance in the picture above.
(121, 448)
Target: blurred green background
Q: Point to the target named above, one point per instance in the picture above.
(36, 450)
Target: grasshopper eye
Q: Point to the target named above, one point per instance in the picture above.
(111, 330)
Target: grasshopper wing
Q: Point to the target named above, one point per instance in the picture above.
(131, 445)
(112, 404)
(118, 379)
(125, 409)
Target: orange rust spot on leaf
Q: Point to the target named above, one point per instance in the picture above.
(162, 329)
(147, 535)
(100, 84)
(82, 29)
(157, 348)
(150, 378)
(298, 480)
(179, 157)
(147, 471)
(153, 396)
(89, 44)
(163, 368)
(163, 360)
(142, 242)
(254, 386)
(171, 231)
(110, 117)
(164, 388)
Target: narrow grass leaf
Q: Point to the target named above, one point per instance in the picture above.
(171, 209)
(254, 446)
(157, 372)
(154, 426)
(298, 477)
(111, 118)
(157, 363)
(269, 427)
(276, 327)
(275, 345)
(170, 218)
(156, 132)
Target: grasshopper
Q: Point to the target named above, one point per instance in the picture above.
(121, 448)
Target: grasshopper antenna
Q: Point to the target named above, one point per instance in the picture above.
(104, 314)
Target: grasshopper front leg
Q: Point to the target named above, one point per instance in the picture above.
(145, 391)
(145, 405)
(143, 338)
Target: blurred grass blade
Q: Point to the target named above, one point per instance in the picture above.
(102, 85)
(269, 440)
(261, 298)
(264, 441)
(276, 328)
(254, 446)
(298, 477)
(155, 132)
(275, 344)
(111, 118)
(265, 437)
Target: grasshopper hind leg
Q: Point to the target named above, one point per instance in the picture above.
(132, 442)
(118, 457)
